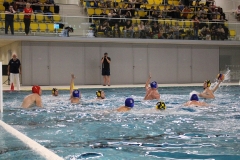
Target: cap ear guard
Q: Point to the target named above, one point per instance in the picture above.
(161, 106)
(129, 102)
(153, 84)
(208, 83)
(98, 93)
(54, 90)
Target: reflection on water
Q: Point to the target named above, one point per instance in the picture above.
(93, 129)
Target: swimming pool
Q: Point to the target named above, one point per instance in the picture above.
(93, 130)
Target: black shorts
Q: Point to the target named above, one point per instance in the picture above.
(106, 72)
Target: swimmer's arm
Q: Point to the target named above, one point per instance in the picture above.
(72, 84)
(216, 87)
(147, 82)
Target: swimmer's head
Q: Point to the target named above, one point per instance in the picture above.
(207, 83)
(36, 89)
(55, 92)
(194, 97)
(161, 105)
(100, 94)
(76, 93)
(129, 102)
(154, 84)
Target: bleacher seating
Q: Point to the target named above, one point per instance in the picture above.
(40, 23)
(143, 13)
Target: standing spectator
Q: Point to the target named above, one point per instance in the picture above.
(9, 19)
(14, 69)
(196, 27)
(106, 69)
(27, 17)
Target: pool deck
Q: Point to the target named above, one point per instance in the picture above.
(27, 88)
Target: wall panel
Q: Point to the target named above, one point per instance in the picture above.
(205, 63)
(26, 64)
(140, 65)
(184, 65)
(66, 58)
(93, 66)
(162, 63)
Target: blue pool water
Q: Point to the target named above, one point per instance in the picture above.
(93, 129)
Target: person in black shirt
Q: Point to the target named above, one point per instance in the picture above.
(9, 19)
(14, 69)
(106, 69)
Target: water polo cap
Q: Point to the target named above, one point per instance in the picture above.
(36, 89)
(98, 93)
(208, 83)
(76, 94)
(194, 97)
(54, 90)
(153, 84)
(161, 105)
(129, 102)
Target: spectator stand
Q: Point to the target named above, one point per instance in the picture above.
(40, 22)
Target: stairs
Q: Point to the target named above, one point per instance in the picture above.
(73, 15)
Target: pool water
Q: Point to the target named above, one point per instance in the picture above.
(13, 148)
(93, 129)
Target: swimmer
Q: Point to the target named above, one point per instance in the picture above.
(208, 93)
(151, 92)
(100, 95)
(129, 103)
(194, 101)
(74, 93)
(55, 92)
(34, 98)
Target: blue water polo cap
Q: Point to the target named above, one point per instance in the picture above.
(76, 93)
(153, 84)
(129, 102)
(194, 97)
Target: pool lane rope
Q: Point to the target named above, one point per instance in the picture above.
(46, 153)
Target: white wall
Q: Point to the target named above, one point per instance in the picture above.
(52, 63)
(228, 5)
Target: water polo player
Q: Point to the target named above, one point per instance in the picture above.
(34, 98)
(151, 92)
(129, 104)
(161, 105)
(208, 93)
(100, 94)
(55, 92)
(75, 94)
(194, 101)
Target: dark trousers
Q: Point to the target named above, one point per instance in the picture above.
(7, 24)
(27, 25)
